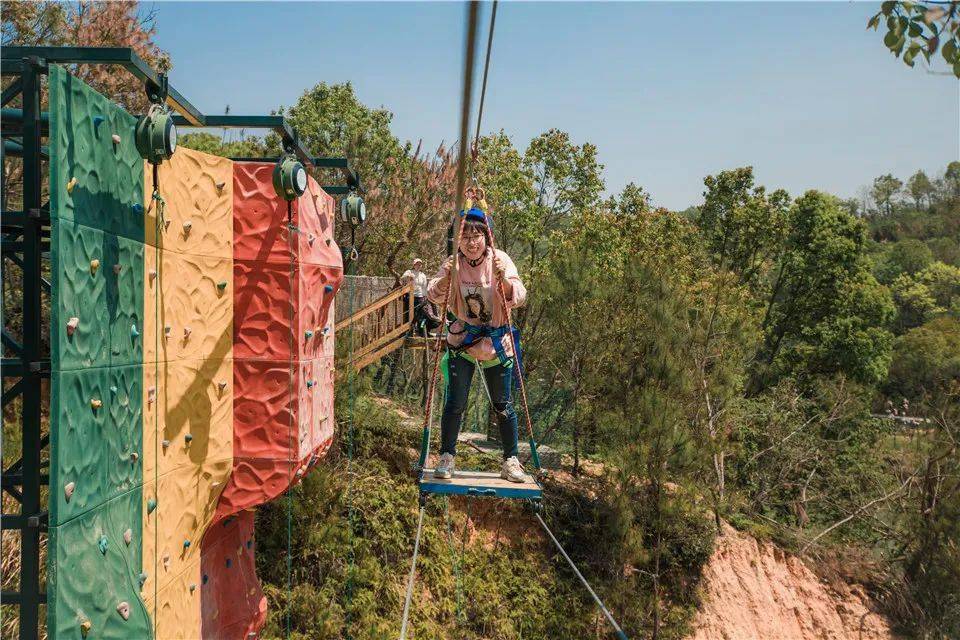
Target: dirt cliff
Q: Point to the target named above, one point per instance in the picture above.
(755, 591)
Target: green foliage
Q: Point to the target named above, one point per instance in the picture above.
(246, 147)
(509, 185)
(741, 223)
(884, 190)
(920, 188)
(826, 313)
(925, 358)
(907, 256)
(921, 29)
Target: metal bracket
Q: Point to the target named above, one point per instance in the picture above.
(157, 91)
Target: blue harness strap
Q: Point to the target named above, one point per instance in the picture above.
(475, 333)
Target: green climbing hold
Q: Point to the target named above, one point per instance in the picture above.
(188, 437)
(151, 505)
(308, 333)
(186, 544)
(102, 543)
(222, 285)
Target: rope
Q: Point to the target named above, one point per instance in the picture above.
(486, 70)
(351, 377)
(410, 579)
(292, 367)
(613, 623)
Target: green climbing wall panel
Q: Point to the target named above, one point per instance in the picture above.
(96, 402)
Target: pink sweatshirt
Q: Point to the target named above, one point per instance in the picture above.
(479, 302)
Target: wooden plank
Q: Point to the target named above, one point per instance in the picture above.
(383, 340)
(480, 483)
(376, 355)
(373, 306)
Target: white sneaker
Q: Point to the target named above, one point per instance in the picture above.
(444, 469)
(512, 470)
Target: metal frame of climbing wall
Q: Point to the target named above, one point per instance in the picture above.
(25, 244)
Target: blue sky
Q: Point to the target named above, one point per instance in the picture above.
(668, 91)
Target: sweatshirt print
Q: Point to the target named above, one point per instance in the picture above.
(478, 303)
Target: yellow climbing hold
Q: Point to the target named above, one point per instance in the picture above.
(94, 265)
(71, 185)
(95, 403)
(85, 627)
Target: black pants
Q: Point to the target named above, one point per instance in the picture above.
(499, 380)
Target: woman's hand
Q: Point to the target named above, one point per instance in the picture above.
(447, 264)
(499, 268)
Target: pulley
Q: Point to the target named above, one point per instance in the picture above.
(289, 178)
(352, 210)
(156, 135)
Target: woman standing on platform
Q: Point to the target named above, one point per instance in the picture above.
(480, 336)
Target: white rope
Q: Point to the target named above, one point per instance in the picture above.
(412, 577)
(596, 598)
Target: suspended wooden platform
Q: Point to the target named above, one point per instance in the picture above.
(481, 484)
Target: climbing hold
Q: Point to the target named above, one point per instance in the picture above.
(186, 544)
(328, 288)
(94, 265)
(326, 330)
(166, 225)
(68, 490)
(137, 208)
(165, 443)
(97, 120)
(221, 385)
(220, 186)
(249, 544)
(113, 389)
(117, 268)
(115, 138)
(133, 331)
(193, 587)
(310, 384)
(85, 626)
(151, 394)
(188, 437)
(222, 285)
(328, 240)
(134, 456)
(124, 610)
(166, 562)
(166, 331)
(228, 563)
(128, 537)
(71, 185)
(310, 239)
(205, 578)
(300, 472)
(187, 226)
(308, 333)
(102, 544)
(151, 505)
(72, 325)
(186, 332)
(153, 275)
(215, 484)
(95, 404)
(142, 578)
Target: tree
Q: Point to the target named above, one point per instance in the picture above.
(925, 358)
(906, 256)
(920, 187)
(921, 28)
(249, 146)
(885, 188)
(566, 179)
(952, 178)
(500, 170)
(826, 314)
(742, 224)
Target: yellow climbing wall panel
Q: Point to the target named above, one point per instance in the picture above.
(188, 378)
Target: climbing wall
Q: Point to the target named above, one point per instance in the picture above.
(286, 274)
(96, 459)
(188, 378)
(192, 375)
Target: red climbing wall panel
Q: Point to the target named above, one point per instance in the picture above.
(233, 603)
(286, 273)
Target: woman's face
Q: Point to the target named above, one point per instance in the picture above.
(473, 243)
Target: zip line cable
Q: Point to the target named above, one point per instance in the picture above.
(486, 70)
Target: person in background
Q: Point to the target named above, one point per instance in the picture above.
(479, 337)
(419, 280)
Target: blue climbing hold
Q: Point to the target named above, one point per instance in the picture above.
(142, 578)
(328, 288)
(137, 208)
(186, 544)
(98, 120)
(102, 543)
(151, 505)
(133, 331)
(228, 563)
